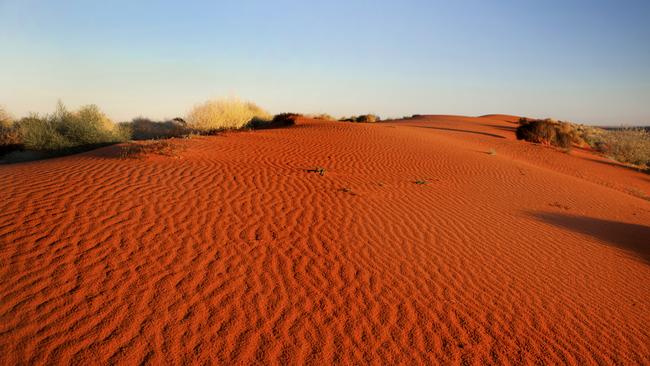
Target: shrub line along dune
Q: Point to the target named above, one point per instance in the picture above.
(64, 132)
(61, 132)
(626, 145)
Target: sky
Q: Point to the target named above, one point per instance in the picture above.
(584, 61)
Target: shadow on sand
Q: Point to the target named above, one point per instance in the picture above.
(502, 128)
(633, 238)
(464, 131)
(23, 156)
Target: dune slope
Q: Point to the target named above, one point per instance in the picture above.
(233, 253)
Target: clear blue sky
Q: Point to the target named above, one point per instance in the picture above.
(587, 61)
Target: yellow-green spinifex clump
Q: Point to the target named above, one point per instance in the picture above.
(223, 114)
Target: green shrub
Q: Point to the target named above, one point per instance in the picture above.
(40, 134)
(63, 129)
(224, 114)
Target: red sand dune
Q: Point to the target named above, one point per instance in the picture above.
(234, 254)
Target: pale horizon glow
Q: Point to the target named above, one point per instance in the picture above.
(583, 61)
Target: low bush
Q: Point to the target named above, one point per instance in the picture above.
(223, 114)
(285, 119)
(547, 132)
(278, 121)
(368, 118)
(9, 139)
(145, 129)
(323, 116)
(86, 127)
(365, 118)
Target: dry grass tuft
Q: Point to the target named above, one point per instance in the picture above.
(224, 114)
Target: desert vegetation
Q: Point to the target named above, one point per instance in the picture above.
(626, 145)
(323, 116)
(365, 118)
(224, 114)
(64, 132)
(61, 132)
(279, 120)
(547, 132)
(65, 129)
(145, 129)
(5, 118)
(9, 137)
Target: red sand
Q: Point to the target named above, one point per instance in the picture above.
(234, 254)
